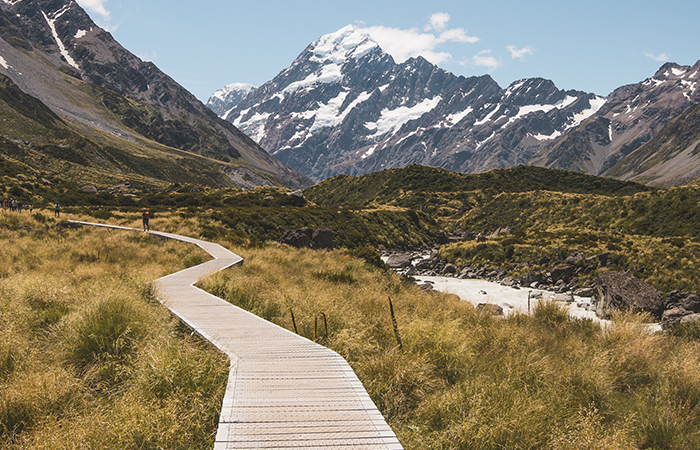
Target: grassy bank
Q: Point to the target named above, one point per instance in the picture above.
(469, 381)
(88, 357)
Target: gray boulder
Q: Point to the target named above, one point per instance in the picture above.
(619, 291)
(490, 308)
(692, 303)
(673, 316)
(399, 260)
(309, 238)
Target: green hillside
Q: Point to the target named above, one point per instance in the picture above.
(409, 185)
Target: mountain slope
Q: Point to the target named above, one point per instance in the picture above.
(631, 117)
(671, 157)
(55, 53)
(345, 106)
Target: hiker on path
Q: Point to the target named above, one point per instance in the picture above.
(56, 210)
(146, 216)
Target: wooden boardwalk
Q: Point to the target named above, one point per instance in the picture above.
(284, 391)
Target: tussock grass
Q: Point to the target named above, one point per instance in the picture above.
(465, 380)
(88, 357)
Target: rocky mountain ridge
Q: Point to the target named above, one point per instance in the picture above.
(345, 106)
(53, 51)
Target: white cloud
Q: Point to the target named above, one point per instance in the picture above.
(95, 6)
(520, 53)
(402, 44)
(484, 59)
(148, 56)
(438, 22)
(661, 58)
(98, 8)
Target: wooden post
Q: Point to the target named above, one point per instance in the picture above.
(294, 322)
(528, 301)
(325, 324)
(396, 327)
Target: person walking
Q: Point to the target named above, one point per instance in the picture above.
(145, 215)
(56, 210)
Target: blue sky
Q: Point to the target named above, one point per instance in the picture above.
(591, 45)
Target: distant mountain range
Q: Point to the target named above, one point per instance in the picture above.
(77, 103)
(345, 106)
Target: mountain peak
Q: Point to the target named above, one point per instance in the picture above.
(336, 48)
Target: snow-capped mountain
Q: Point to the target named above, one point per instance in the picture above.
(345, 106)
(632, 116)
(226, 98)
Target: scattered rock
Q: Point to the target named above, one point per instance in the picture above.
(673, 316)
(89, 189)
(297, 197)
(584, 292)
(690, 318)
(692, 303)
(621, 291)
(308, 238)
(449, 268)
(399, 260)
(490, 308)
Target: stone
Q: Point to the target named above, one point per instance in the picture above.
(449, 268)
(296, 198)
(322, 239)
(300, 238)
(563, 272)
(690, 318)
(692, 303)
(490, 308)
(620, 291)
(89, 189)
(673, 316)
(584, 292)
(399, 260)
(412, 271)
(309, 238)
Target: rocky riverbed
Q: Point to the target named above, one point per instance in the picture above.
(493, 288)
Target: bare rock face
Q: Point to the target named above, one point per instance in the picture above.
(619, 291)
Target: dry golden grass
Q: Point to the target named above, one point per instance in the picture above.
(88, 358)
(469, 381)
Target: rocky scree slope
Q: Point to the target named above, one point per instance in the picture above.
(54, 52)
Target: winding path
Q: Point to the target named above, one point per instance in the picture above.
(284, 391)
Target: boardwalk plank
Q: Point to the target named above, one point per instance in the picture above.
(284, 391)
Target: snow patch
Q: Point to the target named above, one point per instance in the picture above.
(80, 34)
(4, 63)
(488, 116)
(369, 152)
(677, 72)
(255, 126)
(330, 114)
(391, 121)
(457, 117)
(545, 137)
(329, 74)
(61, 47)
(578, 118)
